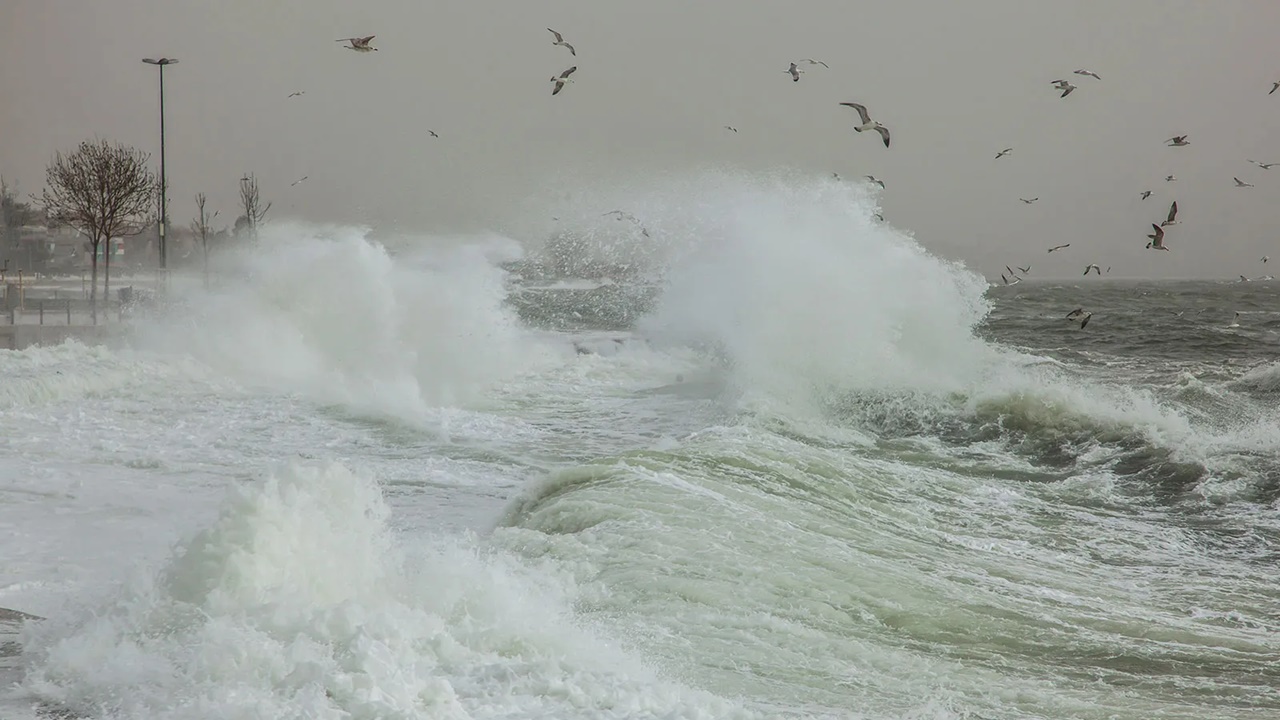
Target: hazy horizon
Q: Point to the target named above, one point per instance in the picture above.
(656, 84)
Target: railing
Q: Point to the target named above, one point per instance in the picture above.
(61, 312)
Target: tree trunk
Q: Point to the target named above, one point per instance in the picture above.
(93, 284)
(106, 281)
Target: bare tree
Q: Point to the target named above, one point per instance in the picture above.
(200, 226)
(106, 191)
(254, 211)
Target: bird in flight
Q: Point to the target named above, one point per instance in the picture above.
(1157, 239)
(1092, 266)
(1090, 73)
(1241, 183)
(1003, 152)
(296, 94)
(295, 182)
(1146, 194)
(560, 41)
(1029, 201)
(1064, 86)
(562, 79)
(1274, 85)
(1059, 247)
(867, 122)
(1178, 141)
(795, 72)
(1264, 166)
(1173, 213)
(811, 61)
(875, 180)
(1081, 315)
(433, 133)
(358, 44)
(734, 129)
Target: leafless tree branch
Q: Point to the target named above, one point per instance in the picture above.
(105, 190)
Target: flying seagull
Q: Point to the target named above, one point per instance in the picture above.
(562, 79)
(1178, 141)
(1264, 166)
(795, 72)
(1173, 213)
(1157, 239)
(734, 129)
(433, 133)
(358, 44)
(1064, 86)
(1025, 200)
(1265, 258)
(811, 61)
(1169, 178)
(1092, 266)
(1241, 183)
(1274, 85)
(1146, 194)
(868, 123)
(1090, 73)
(1003, 152)
(1081, 315)
(622, 215)
(296, 94)
(1024, 270)
(560, 41)
(875, 180)
(295, 182)
(1059, 247)
(1007, 281)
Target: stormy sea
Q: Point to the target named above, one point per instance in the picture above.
(739, 450)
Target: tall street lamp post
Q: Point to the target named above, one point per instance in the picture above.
(164, 188)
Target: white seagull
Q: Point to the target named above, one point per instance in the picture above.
(1169, 178)
(1157, 239)
(1092, 266)
(1274, 85)
(1064, 86)
(560, 41)
(795, 72)
(295, 182)
(875, 180)
(296, 94)
(1003, 152)
(1059, 247)
(811, 61)
(1264, 166)
(1029, 201)
(358, 44)
(1173, 213)
(1081, 315)
(867, 122)
(1265, 258)
(1241, 183)
(1178, 141)
(1090, 73)
(562, 79)
(1146, 194)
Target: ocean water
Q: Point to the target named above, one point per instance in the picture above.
(753, 455)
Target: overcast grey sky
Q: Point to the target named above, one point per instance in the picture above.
(657, 80)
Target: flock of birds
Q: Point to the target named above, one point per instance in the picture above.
(1156, 240)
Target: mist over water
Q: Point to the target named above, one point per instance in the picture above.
(753, 453)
